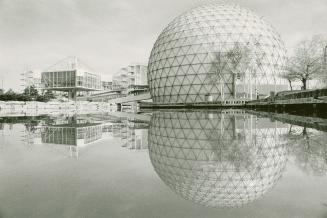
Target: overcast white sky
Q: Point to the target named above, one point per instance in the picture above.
(110, 34)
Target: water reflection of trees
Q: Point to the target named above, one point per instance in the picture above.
(226, 67)
(307, 136)
(30, 123)
(309, 150)
(240, 156)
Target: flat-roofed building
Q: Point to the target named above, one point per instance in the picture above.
(138, 73)
(131, 78)
(120, 79)
(32, 78)
(106, 85)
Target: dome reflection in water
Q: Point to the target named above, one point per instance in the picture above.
(217, 159)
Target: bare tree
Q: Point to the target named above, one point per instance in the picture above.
(232, 62)
(290, 78)
(306, 63)
(310, 151)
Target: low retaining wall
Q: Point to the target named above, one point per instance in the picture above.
(33, 108)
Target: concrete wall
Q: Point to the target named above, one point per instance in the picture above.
(33, 108)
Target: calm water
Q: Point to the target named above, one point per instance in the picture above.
(228, 163)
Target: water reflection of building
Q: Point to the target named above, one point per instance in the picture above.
(132, 132)
(71, 135)
(137, 135)
(72, 131)
(217, 159)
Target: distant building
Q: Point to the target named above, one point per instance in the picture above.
(106, 85)
(138, 75)
(69, 75)
(128, 80)
(131, 78)
(120, 80)
(32, 78)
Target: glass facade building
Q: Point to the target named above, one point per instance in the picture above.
(70, 75)
(61, 80)
(217, 159)
(216, 52)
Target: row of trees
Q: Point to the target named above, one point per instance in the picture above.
(308, 62)
(29, 94)
(309, 150)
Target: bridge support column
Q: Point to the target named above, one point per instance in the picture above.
(314, 110)
(72, 95)
(135, 106)
(119, 106)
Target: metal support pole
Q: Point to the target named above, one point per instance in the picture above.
(251, 84)
(325, 59)
(244, 88)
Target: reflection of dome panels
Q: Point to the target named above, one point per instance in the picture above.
(212, 163)
(212, 52)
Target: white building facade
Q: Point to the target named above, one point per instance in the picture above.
(131, 76)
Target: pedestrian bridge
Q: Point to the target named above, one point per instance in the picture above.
(131, 98)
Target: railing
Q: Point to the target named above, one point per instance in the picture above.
(295, 97)
(229, 102)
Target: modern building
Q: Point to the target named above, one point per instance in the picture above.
(138, 73)
(120, 80)
(216, 52)
(217, 158)
(72, 76)
(32, 78)
(131, 78)
(106, 85)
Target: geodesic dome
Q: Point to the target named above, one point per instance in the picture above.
(216, 159)
(216, 52)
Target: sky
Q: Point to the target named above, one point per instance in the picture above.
(110, 34)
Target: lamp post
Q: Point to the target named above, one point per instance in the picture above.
(325, 58)
(325, 63)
